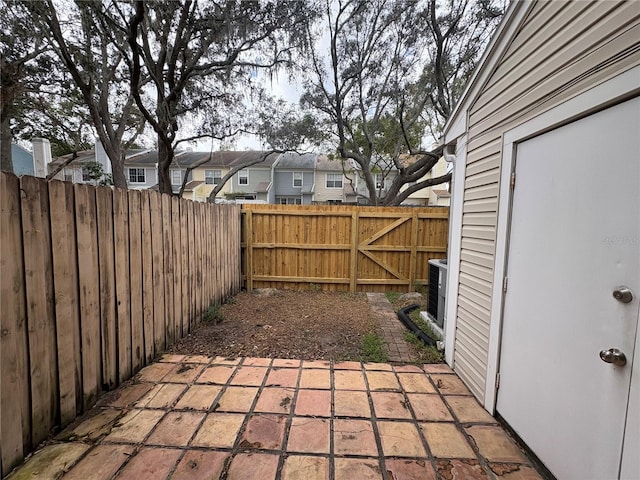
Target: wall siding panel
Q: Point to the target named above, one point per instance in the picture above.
(560, 50)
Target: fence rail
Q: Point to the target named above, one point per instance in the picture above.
(94, 283)
(347, 248)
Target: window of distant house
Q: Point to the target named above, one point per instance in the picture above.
(136, 175)
(297, 179)
(176, 178)
(379, 181)
(86, 177)
(212, 177)
(334, 180)
(289, 201)
(243, 177)
(68, 176)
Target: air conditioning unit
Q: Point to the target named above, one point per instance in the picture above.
(436, 295)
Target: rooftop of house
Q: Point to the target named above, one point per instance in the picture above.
(293, 160)
(324, 163)
(184, 159)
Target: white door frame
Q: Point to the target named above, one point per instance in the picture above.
(615, 90)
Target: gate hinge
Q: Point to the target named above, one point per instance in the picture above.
(497, 380)
(505, 283)
(513, 180)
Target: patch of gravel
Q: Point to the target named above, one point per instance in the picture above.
(285, 324)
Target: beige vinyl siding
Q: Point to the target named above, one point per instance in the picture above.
(561, 49)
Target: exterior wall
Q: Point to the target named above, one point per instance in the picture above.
(256, 176)
(283, 183)
(560, 50)
(203, 190)
(150, 175)
(323, 194)
(22, 160)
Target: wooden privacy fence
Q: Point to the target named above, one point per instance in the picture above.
(347, 248)
(96, 282)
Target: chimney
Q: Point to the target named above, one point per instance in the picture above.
(41, 157)
(102, 158)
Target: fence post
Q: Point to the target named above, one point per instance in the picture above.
(353, 271)
(248, 235)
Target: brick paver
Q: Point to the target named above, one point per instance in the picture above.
(309, 435)
(195, 417)
(391, 327)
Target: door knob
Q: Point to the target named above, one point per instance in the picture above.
(623, 294)
(615, 356)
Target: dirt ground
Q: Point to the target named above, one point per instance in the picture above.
(285, 324)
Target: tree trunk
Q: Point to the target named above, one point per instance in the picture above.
(165, 157)
(6, 163)
(119, 178)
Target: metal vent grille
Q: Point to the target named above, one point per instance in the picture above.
(432, 297)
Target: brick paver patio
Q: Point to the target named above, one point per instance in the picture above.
(256, 418)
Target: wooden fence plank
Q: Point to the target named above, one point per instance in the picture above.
(184, 252)
(157, 248)
(191, 257)
(353, 267)
(198, 240)
(136, 281)
(40, 311)
(414, 252)
(65, 281)
(147, 277)
(169, 262)
(15, 419)
(206, 260)
(123, 284)
(177, 267)
(248, 238)
(89, 281)
(106, 267)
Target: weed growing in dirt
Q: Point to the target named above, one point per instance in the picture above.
(422, 325)
(229, 301)
(425, 353)
(213, 314)
(392, 297)
(373, 348)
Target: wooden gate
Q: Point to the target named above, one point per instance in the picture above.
(345, 248)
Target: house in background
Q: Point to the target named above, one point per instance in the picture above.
(33, 162)
(206, 176)
(331, 185)
(22, 160)
(76, 171)
(141, 169)
(438, 195)
(383, 176)
(255, 182)
(294, 178)
(544, 276)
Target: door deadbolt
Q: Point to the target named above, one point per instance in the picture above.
(615, 356)
(623, 294)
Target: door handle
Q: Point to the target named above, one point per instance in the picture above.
(615, 356)
(623, 294)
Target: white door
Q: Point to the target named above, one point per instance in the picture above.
(575, 238)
